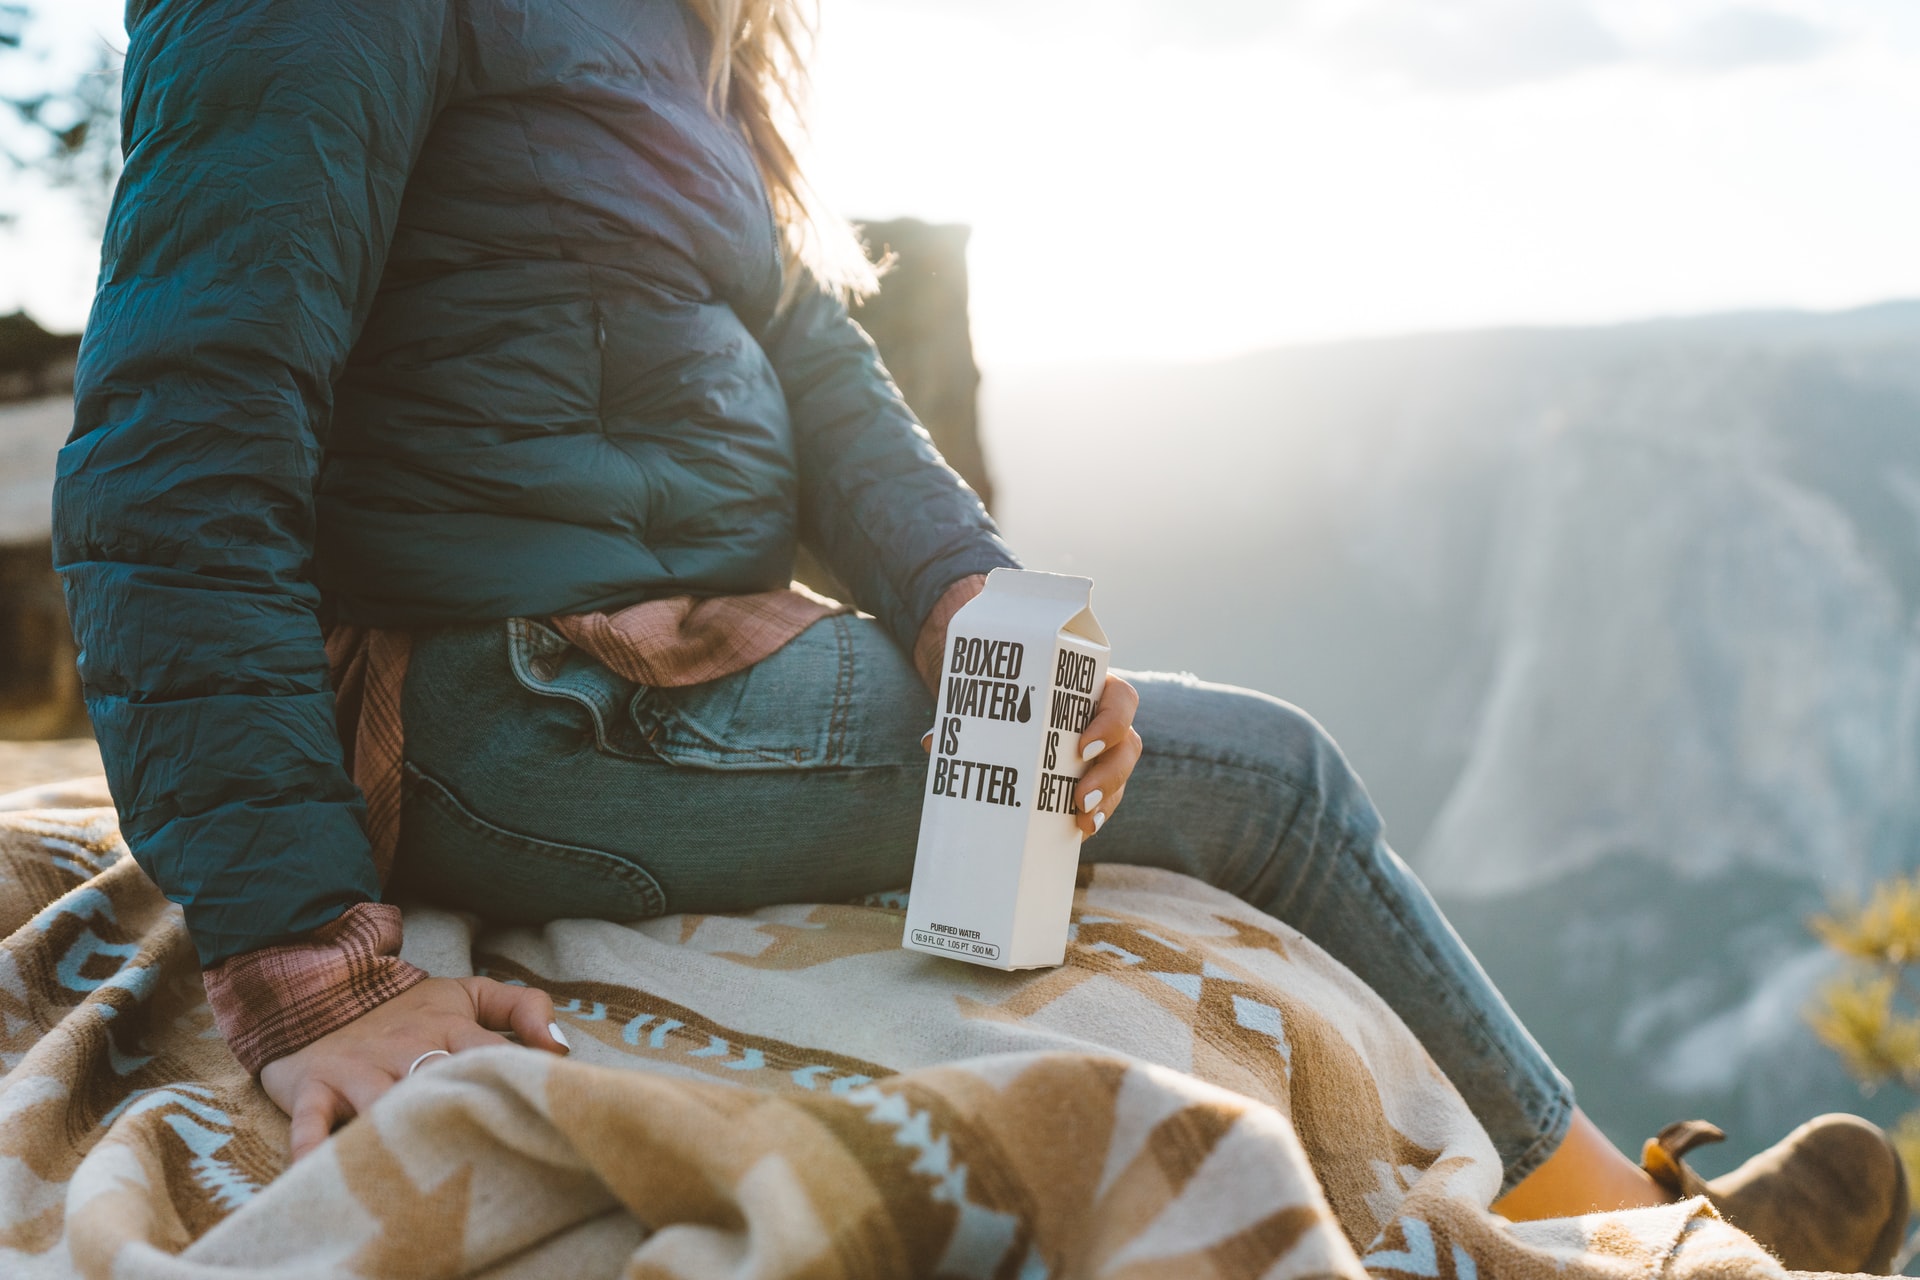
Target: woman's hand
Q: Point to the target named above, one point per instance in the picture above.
(1108, 744)
(1111, 748)
(340, 1075)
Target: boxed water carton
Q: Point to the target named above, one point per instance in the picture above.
(999, 848)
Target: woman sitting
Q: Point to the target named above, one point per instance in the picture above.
(496, 353)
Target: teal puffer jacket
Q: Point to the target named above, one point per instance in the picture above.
(416, 311)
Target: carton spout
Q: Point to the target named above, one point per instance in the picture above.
(1053, 588)
(1073, 593)
(1064, 587)
(1086, 626)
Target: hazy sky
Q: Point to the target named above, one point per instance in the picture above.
(1190, 178)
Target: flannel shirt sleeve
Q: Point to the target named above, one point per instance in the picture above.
(273, 1000)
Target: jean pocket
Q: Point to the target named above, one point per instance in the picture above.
(790, 710)
(452, 855)
(546, 664)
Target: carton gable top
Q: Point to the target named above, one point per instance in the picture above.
(1063, 599)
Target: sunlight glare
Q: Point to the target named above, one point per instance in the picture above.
(1139, 198)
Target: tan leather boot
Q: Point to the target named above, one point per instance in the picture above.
(1830, 1196)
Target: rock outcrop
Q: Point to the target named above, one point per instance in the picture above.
(39, 690)
(34, 364)
(919, 320)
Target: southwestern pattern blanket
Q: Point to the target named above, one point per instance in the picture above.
(1198, 1091)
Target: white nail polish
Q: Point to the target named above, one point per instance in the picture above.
(1092, 749)
(553, 1029)
(1099, 820)
(1091, 803)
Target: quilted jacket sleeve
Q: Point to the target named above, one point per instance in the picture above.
(877, 501)
(268, 145)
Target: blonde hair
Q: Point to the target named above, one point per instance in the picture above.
(757, 74)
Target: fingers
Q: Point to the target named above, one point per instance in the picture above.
(1094, 816)
(1112, 719)
(1101, 787)
(343, 1073)
(1112, 747)
(526, 1012)
(363, 1084)
(472, 1036)
(926, 741)
(315, 1113)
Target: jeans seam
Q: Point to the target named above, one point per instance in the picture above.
(528, 640)
(705, 744)
(1216, 762)
(1304, 792)
(1483, 1029)
(1304, 884)
(1547, 1111)
(682, 733)
(1304, 795)
(1473, 1017)
(1552, 1134)
(636, 877)
(842, 693)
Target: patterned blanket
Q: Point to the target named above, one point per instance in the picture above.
(1197, 1092)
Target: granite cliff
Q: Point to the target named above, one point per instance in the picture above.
(1619, 624)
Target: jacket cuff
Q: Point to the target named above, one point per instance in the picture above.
(930, 645)
(274, 1000)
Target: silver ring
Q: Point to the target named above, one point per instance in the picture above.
(431, 1053)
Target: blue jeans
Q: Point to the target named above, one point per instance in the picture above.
(540, 785)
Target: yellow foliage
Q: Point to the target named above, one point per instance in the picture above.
(1886, 930)
(1858, 1019)
(1865, 1016)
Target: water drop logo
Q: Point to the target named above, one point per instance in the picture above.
(1026, 706)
